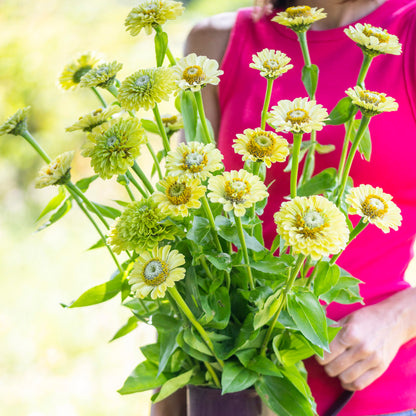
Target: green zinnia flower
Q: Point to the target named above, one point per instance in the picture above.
(16, 124)
(102, 76)
(146, 87)
(90, 121)
(140, 227)
(114, 150)
(57, 172)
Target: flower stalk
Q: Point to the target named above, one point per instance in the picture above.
(132, 179)
(297, 141)
(139, 172)
(201, 112)
(266, 102)
(245, 251)
(162, 129)
(98, 95)
(364, 69)
(211, 220)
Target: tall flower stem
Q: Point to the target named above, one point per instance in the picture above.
(309, 165)
(211, 220)
(201, 112)
(136, 184)
(348, 130)
(213, 374)
(170, 56)
(364, 69)
(206, 268)
(98, 95)
(113, 90)
(297, 141)
(188, 313)
(305, 50)
(32, 141)
(138, 171)
(266, 102)
(360, 132)
(129, 192)
(154, 157)
(283, 296)
(245, 251)
(162, 129)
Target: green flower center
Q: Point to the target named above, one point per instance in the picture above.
(236, 190)
(80, 73)
(380, 34)
(194, 162)
(143, 81)
(193, 74)
(261, 144)
(155, 272)
(178, 193)
(310, 223)
(373, 206)
(298, 11)
(112, 141)
(297, 116)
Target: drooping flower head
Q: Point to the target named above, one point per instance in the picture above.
(180, 194)
(16, 124)
(146, 87)
(371, 103)
(194, 159)
(374, 40)
(298, 116)
(153, 272)
(113, 150)
(56, 172)
(90, 121)
(236, 190)
(74, 71)
(150, 14)
(271, 63)
(312, 226)
(194, 72)
(172, 123)
(374, 206)
(102, 76)
(260, 145)
(299, 18)
(140, 227)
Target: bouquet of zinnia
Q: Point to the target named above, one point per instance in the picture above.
(188, 247)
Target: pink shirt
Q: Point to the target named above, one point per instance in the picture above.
(378, 259)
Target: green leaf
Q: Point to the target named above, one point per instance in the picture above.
(364, 146)
(307, 312)
(107, 211)
(173, 385)
(200, 233)
(217, 307)
(235, 377)
(319, 183)
(83, 184)
(342, 112)
(98, 244)
(190, 350)
(310, 79)
(297, 349)
(150, 126)
(269, 264)
(57, 215)
(281, 396)
(144, 377)
(258, 363)
(194, 340)
(125, 329)
(221, 261)
(161, 45)
(151, 352)
(168, 344)
(346, 291)
(326, 277)
(268, 311)
(53, 203)
(189, 114)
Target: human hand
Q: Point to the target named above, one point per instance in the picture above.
(365, 346)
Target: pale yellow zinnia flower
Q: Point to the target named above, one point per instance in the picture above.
(299, 18)
(15, 124)
(298, 116)
(194, 72)
(194, 159)
(371, 103)
(56, 172)
(260, 145)
(271, 63)
(172, 123)
(150, 14)
(374, 40)
(375, 206)
(88, 122)
(156, 271)
(180, 194)
(236, 190)
(102, 76)
(312, 226)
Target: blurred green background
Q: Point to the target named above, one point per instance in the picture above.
(56, 361)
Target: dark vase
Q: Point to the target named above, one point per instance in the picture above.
(206, 401)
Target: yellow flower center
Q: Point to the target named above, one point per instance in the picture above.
(51, 168)
(155, 272)
(169, 120)
(193, 74)
(143, 81)
(271, 64)
(95, 113)
(194, 162)
(373, 206)
(178, 193)
(298, 11)
(310, 223)
(380, 34)
(297, 116)
(236, 189)
(371, 97)
(79, 73)
(261, 144)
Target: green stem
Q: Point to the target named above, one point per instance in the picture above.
(130, 193)
(188, 313)
(113, 90)
(136, 184)
(154, 157)
(206, 268)
(297, 141)
(305, 50)
(312, 275)
(309, 165)
(348, 130)
(162, 129)
(266, 102)
(283, 297)
(364, 69)
(201, 112)
(360, 132)
(213, 374)
(100, 98)
(32, 141)
(211, 220)
(138, 171)
(245, 251)
(170, 56)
